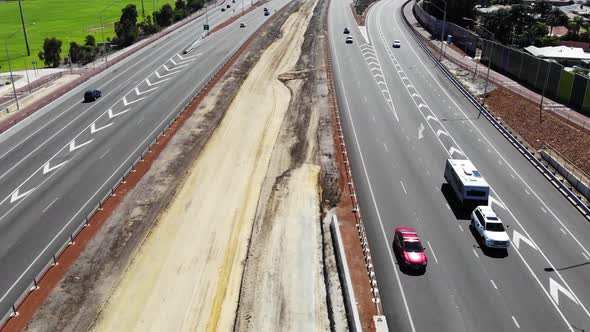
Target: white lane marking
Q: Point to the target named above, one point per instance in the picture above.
(428, 172)
(139, 93)
(512, 175)
(432, 251)
(493, 284)
(515, 322)
(50, 204)
(489, 151)
(421, 131)
(94, 129)
(555, 288)
(113, 115)
(587, 258)
(508, 210)
(73, 147)
(475, 252)
(385, 146)
(527, 192)
(16, 195)
(104, 154)
(366, 173)
(47, 168)
(496, 150)
(127, 103)
(403, 187)
(561, 229)
(140, 120)
(460, 227)
(373, 117)
(543, 209)
(516, 237)
(448, 206)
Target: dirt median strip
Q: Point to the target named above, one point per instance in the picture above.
(74, 302)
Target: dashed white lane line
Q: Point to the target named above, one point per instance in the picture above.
(385, 146)
(373, 117)
(494, 284)
(512, 176)
(432, 251)
(428, 172)
(50, 204)
(543, 209)
(561, 229)
(460, 227)
(104, 154)
(475, 252)
(403, 187)
(527, 192)
(139, 121)
(515, 322)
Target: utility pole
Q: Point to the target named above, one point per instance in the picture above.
(142, 9)
(22, 18)
(543, 93)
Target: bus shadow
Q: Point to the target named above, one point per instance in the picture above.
(461, 211)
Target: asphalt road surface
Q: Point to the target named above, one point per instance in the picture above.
(55, 170)
(402, 120)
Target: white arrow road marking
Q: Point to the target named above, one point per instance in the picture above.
(373, 63)
(492, 201)
(376, 68)
(188, 57)
(442, 132)
(453, 150)
(421, 131)
(378, 75)
(414, 95)
(16, 195)
(47, 168)
(166, 75)
(423, 105)
(74, 147)
(113, 115)
(144, 92)
(94, 129)
(180, 63)
(516, 237)
(127, 103)
(147, 80)
(431, 117)
(168, 69)
(555, 288)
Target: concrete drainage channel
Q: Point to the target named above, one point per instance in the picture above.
(500, 126)
(151, 148)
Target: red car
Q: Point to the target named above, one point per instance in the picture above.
(408, 249)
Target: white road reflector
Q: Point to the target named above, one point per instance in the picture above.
(517, 237)
(555, 288)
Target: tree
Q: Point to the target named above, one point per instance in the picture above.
(556, 18)
(195, 5)
(147, 27)
(126, 29)
(89, 40)
(179, 5)
(51, 52)
(456, 10)
(543, 8)
(165, 16)
(75, 52)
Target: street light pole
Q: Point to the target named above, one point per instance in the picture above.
(22, 18)
(442, 32)
(543, 93)
(10, 68)
(485, 91)
(104, 45)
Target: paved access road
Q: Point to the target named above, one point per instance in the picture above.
(56, 166)
(402, 120)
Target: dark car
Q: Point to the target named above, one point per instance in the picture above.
(228, 6)
(222, 9)
(346, 31)
(92, 95)
(408, 249)
(349, 40)
(266, 13)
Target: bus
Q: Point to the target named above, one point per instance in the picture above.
(467, 182)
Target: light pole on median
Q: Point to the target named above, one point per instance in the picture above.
(485, 90)
(104, 45)
(442, 33)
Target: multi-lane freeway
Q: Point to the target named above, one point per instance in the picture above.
(58, 164)
(402, 120)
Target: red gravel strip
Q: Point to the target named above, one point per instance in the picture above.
(52, 277)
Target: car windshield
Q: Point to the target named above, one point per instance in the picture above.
(413, 246)
(494, 227)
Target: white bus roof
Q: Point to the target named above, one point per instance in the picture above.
(468, 174)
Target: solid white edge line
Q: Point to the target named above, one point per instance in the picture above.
(493, 283)
(432, 251)
(515, 322)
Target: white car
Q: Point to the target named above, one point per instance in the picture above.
(490, 228)
(397, 44)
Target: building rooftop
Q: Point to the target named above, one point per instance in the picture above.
(558, 52)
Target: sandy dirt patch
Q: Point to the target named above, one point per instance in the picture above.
(187, 274)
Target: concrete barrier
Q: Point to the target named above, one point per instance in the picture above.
(581, 187)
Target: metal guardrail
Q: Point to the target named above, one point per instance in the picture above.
(70, 239)
(501, 127)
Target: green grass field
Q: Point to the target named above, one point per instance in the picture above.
(68, 20)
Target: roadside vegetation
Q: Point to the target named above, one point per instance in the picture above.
(72, 22)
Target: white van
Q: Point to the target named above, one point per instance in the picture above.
(467, 183)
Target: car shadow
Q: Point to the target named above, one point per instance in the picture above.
(490, 252)
(461, 211)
